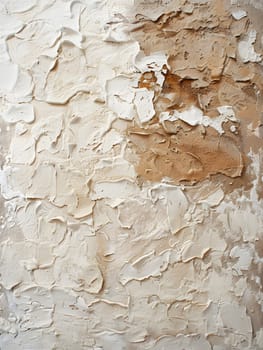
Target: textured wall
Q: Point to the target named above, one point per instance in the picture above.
(131, 174)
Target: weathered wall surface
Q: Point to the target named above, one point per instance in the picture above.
(131, 174)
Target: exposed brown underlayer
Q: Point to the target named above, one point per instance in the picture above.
(205, 71)
(184, 153)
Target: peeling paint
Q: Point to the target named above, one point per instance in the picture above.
(131, 161)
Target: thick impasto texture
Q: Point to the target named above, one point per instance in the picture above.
(131, 174)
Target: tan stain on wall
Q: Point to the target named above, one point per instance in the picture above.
(184, 153)
(205, 70)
